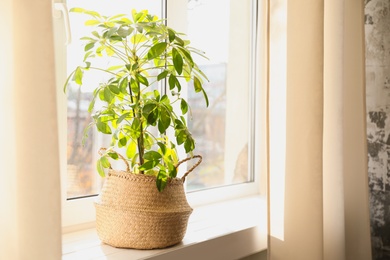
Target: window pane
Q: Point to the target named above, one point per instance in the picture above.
(221, 131)
(223, 30)
(82, 178)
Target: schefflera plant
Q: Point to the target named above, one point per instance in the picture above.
(146, 51)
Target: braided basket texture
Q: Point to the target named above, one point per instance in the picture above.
(132, 213)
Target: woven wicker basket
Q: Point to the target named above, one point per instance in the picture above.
(132, 213)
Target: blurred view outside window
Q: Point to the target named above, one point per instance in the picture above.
(222, 29)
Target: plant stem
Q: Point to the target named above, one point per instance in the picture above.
(140, 139)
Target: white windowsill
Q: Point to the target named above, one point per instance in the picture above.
(227, 230)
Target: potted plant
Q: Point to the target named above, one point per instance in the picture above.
(137, 207)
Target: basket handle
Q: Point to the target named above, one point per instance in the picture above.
(192, 168)
(102, 150)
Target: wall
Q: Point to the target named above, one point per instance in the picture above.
(377, 31)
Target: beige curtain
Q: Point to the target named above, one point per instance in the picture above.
(30, 224)
(318, 190)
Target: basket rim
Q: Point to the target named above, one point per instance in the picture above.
(141, 177)
(137, 210)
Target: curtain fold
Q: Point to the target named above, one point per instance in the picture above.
(30, 204)
(319, 198)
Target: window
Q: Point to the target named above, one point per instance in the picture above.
(225, 132)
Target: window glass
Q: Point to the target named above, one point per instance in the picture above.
(223, 30)
(82, 178)
(222, 131)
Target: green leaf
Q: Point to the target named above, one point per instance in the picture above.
(172, 170)
(134, 85)
(77, 10)
(152, 117)
(172, 81)
(103, 127)
(91, 22)
(179, 124)
(163, 147)
(183, 106)
(78, 76)
(105, 162)
(92, 13)
(156, 50)
(164, 121)
(89, 46)
(148, 108)
(205, 97)
(96, 34)
(123, 83)
(100, 168)
(181, 137)
(114, 89)
(131, 150)
(179, 41)
(142, 79)
(138, 38)
(162, 75)
(135, 128)
(115, 38)
(113, 155)
(110, 51)
(197, 85)
(177, 61)
(171, 35)
(122, 117)
(156, 95)
(148, 165)
(187, 56)
(152, 156)
(99, 50)
(116, 17)
(122, 140)
(189, 144)
(125, 31)
(161, 181)
(87, 55)
(108, 97)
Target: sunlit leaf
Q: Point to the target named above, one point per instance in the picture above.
(131, 150)
(183, 106)
(89, 46)
(142, 79)
(197, 85)
(113, 155)
(138, 38)
(100, 168)
(103, 127)
(91, 22)
(78, 76)
(152, 156)
(148, 165)
(125, 31)
(157, 50)
(122, 117)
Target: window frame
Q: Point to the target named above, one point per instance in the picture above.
(80, 213)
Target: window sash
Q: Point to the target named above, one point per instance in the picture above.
(72, 208)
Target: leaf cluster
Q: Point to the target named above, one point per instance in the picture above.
(147, 52)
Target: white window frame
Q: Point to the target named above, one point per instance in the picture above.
(80, 213)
